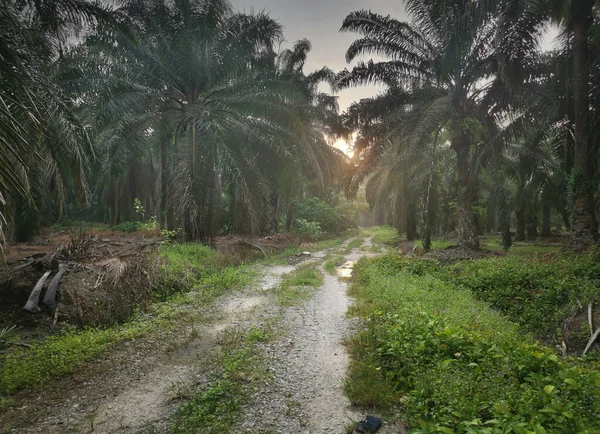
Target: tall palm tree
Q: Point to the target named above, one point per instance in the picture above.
(448, 48)
(198, 92)
(576, 18)
(585, 227)
(43, 146)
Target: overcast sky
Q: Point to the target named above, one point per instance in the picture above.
(320, 21)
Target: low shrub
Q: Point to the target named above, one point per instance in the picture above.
(127, 227)
(308, 230)
(331, 219)
(454, 364)
(538, 293)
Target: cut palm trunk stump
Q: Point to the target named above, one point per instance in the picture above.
(32, 303)
(50, 297)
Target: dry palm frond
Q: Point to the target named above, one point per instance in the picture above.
(113, 270)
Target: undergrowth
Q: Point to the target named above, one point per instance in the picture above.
(455, 365)
(537, 292)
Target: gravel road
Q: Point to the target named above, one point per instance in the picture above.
(309, 364)
(132, 390)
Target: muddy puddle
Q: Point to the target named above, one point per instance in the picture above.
(345, 270)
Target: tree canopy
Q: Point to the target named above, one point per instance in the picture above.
(196, 112)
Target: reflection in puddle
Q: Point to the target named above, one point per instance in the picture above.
(345, 270)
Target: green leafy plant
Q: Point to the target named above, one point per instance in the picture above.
(308, 229)
(454, 364)
(331, 219)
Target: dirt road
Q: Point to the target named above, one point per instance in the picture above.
(133, 389)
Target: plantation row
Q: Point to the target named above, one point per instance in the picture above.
(188, 117)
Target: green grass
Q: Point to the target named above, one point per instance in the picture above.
(59, 355)
(455, 365)
(328, 244)
(332, 263)
(236, 371)
(436, 244)
(537, 292)
(354, 244)
(518, 248)
(381, 235)
(299, 285)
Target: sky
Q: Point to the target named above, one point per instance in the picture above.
(319, 21)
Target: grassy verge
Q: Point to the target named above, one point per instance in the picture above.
(382, 235)
(183, 267)
(537, 292)
(455, 365)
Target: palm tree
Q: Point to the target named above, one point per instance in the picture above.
(576, 18)
(446, 49)
(585, 227)
(43, 146)
(198, 95)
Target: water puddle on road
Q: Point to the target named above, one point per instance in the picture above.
(345, 270)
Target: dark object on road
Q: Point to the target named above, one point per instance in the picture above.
(369, 425)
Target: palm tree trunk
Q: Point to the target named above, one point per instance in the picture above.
(276, 203)
(546, 214)
(566, 220)
(532, 221)
(520, 235)
(289, 214)
(491, 215)
(411, 221)
(585, 228)
(467, 227)
(161, 216)
(503, 214)
(446, 214)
